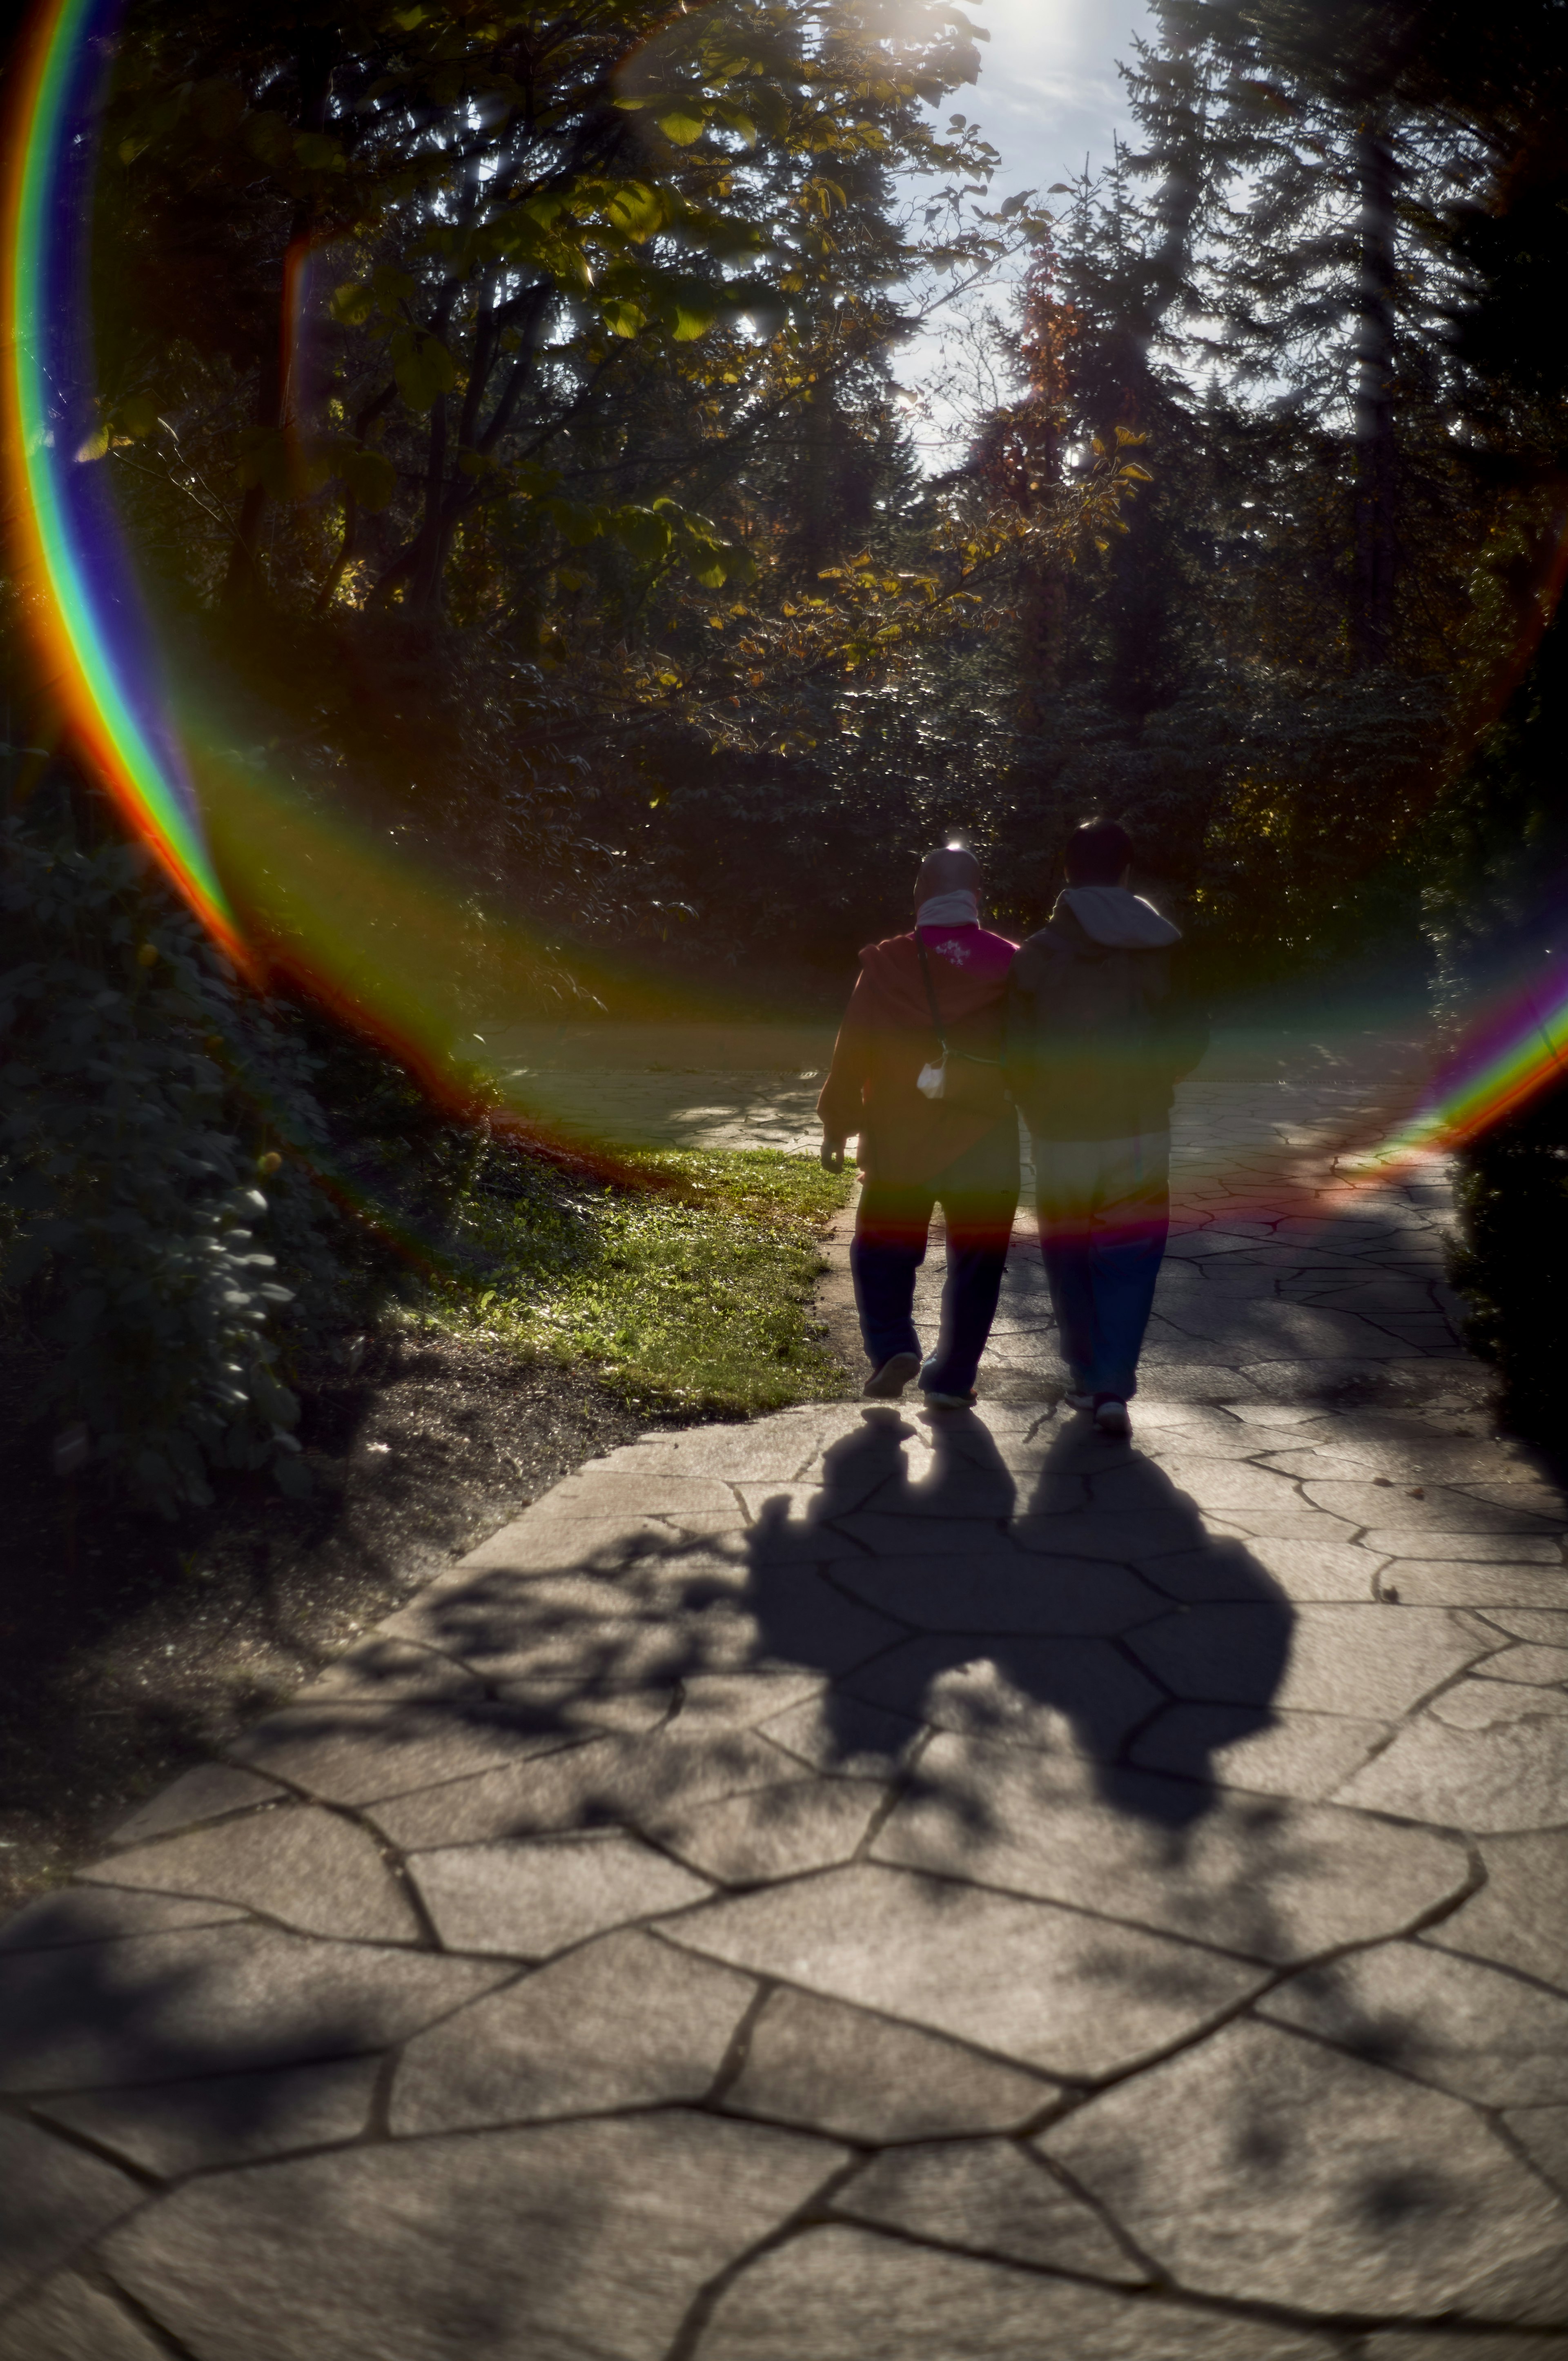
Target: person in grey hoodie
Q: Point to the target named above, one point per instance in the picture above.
(1099, 1031)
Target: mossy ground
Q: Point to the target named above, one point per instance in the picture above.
(691, 1293)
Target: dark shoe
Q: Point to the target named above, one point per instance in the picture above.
(888, 1379)
(949, 1401)
(1111, 1416)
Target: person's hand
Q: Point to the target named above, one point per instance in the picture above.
(832, 1152)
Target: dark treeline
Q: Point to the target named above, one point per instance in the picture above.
(572, 526)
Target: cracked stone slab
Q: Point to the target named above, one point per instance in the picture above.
(385, 1670)
(1511, 1776)
(1370, 1661)
(207, 1793)
(774, 1832)
(357, 1754)
(625, 2021)
(311, 1869)
(84, 1914)
(854, 2076)
(1470, 2028)
(68, 2320)
(1304, 1755)
(1268, 2167)
(850, 2295)
(1542, 2133)
(1446, 1583)
(1428, 2344)
(1434, 1543)
(1004, 1591)
(163, 2008)
(1048, 1988)
(1483, 1703)
(179, 2127)
(53, 2198)
(844, 1734)
(992, 2197)
(610, 1781)
(1265, 1565)
(1520, 1918)
(1268, 1880)
(529, 1900)
(1033, 1691)
(541, 2245)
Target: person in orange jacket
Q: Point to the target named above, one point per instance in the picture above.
(917, 1076)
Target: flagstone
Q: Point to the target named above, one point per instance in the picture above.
(1470, 2028)
(84, 1913)
(164, 2008)
(858, 2076)
(221, 2119)
(809, 1809)
(1003, 1591)
(554, 2242)
(773, 1832)
(54, 2197)
(1371, 1661)
(532, 1899)
(1046, 1987)
(846, 2294)
(358, 1753)
(209, 1792)
(1269, 1881)
(1520, 1916)
(1033, 1691)
(68, 2320)
(1485, 1704)
(609, 1781)
(309, 1869)
(1295, 1754)
(627, 2021)
(992, 2196)
(1512, 1775)
(1275, 2169)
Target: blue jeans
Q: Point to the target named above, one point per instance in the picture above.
(978, 1193)
(1104, 1207)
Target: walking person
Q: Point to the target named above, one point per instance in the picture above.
(1099, 1032)
(917, 1077)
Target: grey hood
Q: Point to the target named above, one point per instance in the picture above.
(1118, 920)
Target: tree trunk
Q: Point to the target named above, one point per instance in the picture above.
(1372, 593)
(314, 62)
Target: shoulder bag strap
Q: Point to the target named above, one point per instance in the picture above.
(931, 994)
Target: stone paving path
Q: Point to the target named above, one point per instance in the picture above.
(859, 1887)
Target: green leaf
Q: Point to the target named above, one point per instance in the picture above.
(318, 151)
(370, 477)
(423, 367)
(637, 210)
(682, 123)
(353, 302)
(624, 318)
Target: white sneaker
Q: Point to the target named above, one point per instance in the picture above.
(1111, 1416)
(1079, 1400)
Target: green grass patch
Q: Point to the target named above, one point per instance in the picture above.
(696, 1295)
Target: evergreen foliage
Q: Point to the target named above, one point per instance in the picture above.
(573, 532)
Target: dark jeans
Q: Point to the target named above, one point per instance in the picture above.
(1104, 1208)
(978, 1193)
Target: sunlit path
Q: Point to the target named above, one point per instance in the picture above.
(858, 1888)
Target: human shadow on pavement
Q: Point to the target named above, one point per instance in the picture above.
(1097, 1618)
